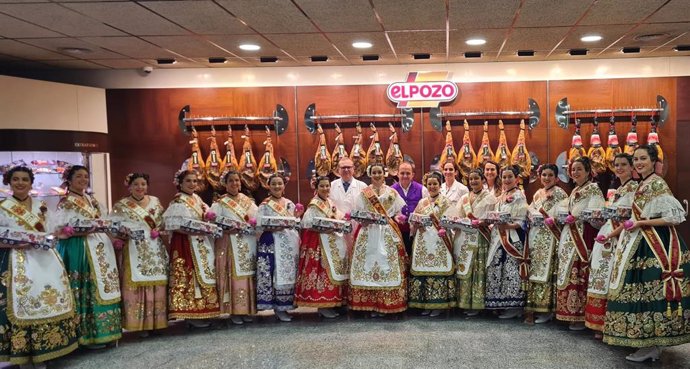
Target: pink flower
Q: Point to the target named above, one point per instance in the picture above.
(401, 218)
(210, 215)
(549, 221)
(299, 208)
(68, 231)
(155, 234)
(509, 199)
(347, 216)
(252, 222)
(570, 219)
(475, 222)
(601, 238)
(118, 244)
(628, 224)
(442, 232)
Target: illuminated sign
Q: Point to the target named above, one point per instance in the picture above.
(422, 90)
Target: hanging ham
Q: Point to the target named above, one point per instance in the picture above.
(631, 141)
(394, 156)
(358, 155)
(338, 152)
(267, 165)
(520, 156)
(213, 164)
(247, 163)
(448, 153)
(229, 161)
(374, 153)
(576, 149)
(466, 155)
(502, 156)
(596, 153)
(322, 161)
(612, 146)
(485, 153)
(196, 161)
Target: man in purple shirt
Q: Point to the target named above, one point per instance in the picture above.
(412, 192)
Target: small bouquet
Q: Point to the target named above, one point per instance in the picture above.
(36, 239)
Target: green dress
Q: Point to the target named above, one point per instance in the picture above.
(98, 308)
(643, 310)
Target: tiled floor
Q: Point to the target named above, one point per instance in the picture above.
(356, 341)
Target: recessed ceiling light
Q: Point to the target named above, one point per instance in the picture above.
(361, 45)
(590, 38)
(250, 47)
(475, 41)
(75, 50)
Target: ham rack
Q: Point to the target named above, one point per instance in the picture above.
(280, 120)
(533, 114)
(310, 118)
(563, 111)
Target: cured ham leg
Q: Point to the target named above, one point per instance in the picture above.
(322, 161)
(358, 155)
(247, 163)
(394, 156)
(267, 165)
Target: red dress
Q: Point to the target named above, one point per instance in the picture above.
(314, 286)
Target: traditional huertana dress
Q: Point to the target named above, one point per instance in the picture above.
(600, 262)
(377, 273)
(543, 242)
(323, 260)
(92, 268)
(192, 292)
(37, 319)
(470, 249)
(432, 283)
(574, 249)
(144, 267)
(649, 295)
(277, 258)
(507, 259)
(236, 258)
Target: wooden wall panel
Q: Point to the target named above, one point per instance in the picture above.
(682, 190)
(145, 135)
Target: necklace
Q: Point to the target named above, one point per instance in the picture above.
(138, 200)
(76, 193)
(20, 200)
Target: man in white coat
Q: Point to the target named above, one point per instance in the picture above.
(344, 190)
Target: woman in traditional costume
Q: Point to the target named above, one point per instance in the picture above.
(236, 253)
(37, 319)
(377, 274)
(278, 253)
(575, 246)
(432, 283)
(145, 259)
(323, 259)
(649, 295)
(600, 264)
(470, 247)
(493, 181)
(192, 292)
(543, 241)
(89, 259)
(506, 270)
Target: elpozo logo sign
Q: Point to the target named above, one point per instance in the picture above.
(423, 90)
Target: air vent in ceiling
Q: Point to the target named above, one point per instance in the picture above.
(577, 52)
(421, 56)
(268, 59)
(473, 54)
(370, 57)
(319, 58)
(525, 53)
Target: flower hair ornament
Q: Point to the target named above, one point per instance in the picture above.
(385, 170)
(176, 177)
(128, 179)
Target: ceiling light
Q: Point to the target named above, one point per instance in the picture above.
(250, 47)
(370, 57)
(590, 38)
(361, 45)
(268, 59)
(166, 61)
(75, 50)
(475, 41)
(217, 60)
(630, 50)
(319, 58)
(577, 52)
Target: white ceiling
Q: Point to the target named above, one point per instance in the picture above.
(132, 34)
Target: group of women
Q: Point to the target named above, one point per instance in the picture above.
(626, 280)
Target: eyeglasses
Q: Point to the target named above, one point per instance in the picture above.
(347, 167)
